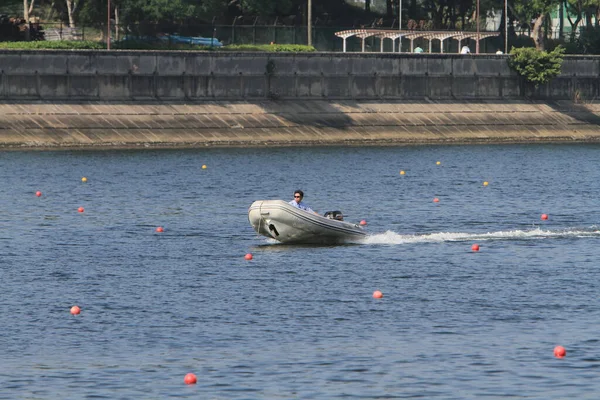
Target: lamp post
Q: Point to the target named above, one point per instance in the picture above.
(477, 45)
(505, 26)
(108, 28)
(400, 26)
(400, 16)
(309, 22)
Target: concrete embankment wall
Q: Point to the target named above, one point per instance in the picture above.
(91, 99)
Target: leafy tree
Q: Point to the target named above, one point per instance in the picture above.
(268, 7)
(536, 10)
(588, 41)
(537, 67)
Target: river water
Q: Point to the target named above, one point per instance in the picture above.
(300, 321)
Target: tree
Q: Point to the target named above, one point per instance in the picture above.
(71, 10)
(536, 10)
(268, 7)
(537, 67)
(27, 9)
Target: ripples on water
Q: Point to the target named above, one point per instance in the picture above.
(299, 321)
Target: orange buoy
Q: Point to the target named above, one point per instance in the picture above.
(377, 294)
(190, 379)
(363, 222)
(81, 209)
(436, 200)
(544, 217)
(159, 229)
(38, 193)
(475, 247)
(248, 256)
(75, 310)
(402, 172)
(560, 352)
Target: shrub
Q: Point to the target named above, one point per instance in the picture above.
(53, 45)
(537, 67)
(295, 48)
(588, 41)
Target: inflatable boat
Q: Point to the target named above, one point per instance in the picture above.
(283, 222)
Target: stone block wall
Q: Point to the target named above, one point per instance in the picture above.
(178, 75)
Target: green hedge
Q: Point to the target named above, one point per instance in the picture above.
(143, 45)
(53, 45)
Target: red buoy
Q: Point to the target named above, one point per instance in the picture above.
(248, 256)
(436, 200)
(190, 379)
(159, 229)
(560, 352)
(377, 294)
(81, 209)
(475, 247)
(75, 310)
(363, 222)
(38, 193)
(544, 217)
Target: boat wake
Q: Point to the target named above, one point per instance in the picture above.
(391, 237)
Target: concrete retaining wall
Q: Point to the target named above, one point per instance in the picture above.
(91, 99)
(165, 76)
(291, 122)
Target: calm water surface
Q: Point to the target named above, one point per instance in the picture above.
(299, 322)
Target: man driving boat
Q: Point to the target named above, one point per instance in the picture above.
(298, 203)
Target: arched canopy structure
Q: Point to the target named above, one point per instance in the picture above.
(411, 35)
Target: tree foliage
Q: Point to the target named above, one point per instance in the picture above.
(588, 41)
(536, 66)
(537, 11)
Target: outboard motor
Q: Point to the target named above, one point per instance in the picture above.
(337, 215)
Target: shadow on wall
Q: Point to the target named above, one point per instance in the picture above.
(313, 113)
(579, 106)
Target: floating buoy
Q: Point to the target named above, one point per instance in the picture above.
(204, 167)
(475, 247)
(560, 352)
(363, 222)
(402, 172)
(190, 379)
(84, 179)
(436, 200)
(38, 193)
(377, 294)
(159, 229)
(81, 209)
(248, 256)
(544, 217)
(438, 163)
(75, 310)
(485, 183)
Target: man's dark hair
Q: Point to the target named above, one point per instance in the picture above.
(300, 192)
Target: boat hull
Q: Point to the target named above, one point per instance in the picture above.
(285, 223)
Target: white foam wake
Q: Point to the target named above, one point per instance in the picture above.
(391, 237)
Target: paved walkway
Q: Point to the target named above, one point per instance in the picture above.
(284, 123)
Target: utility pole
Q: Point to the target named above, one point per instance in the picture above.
(309, 22)
(400, 27)
(506, 26)
(477, 45)
(108, 28)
